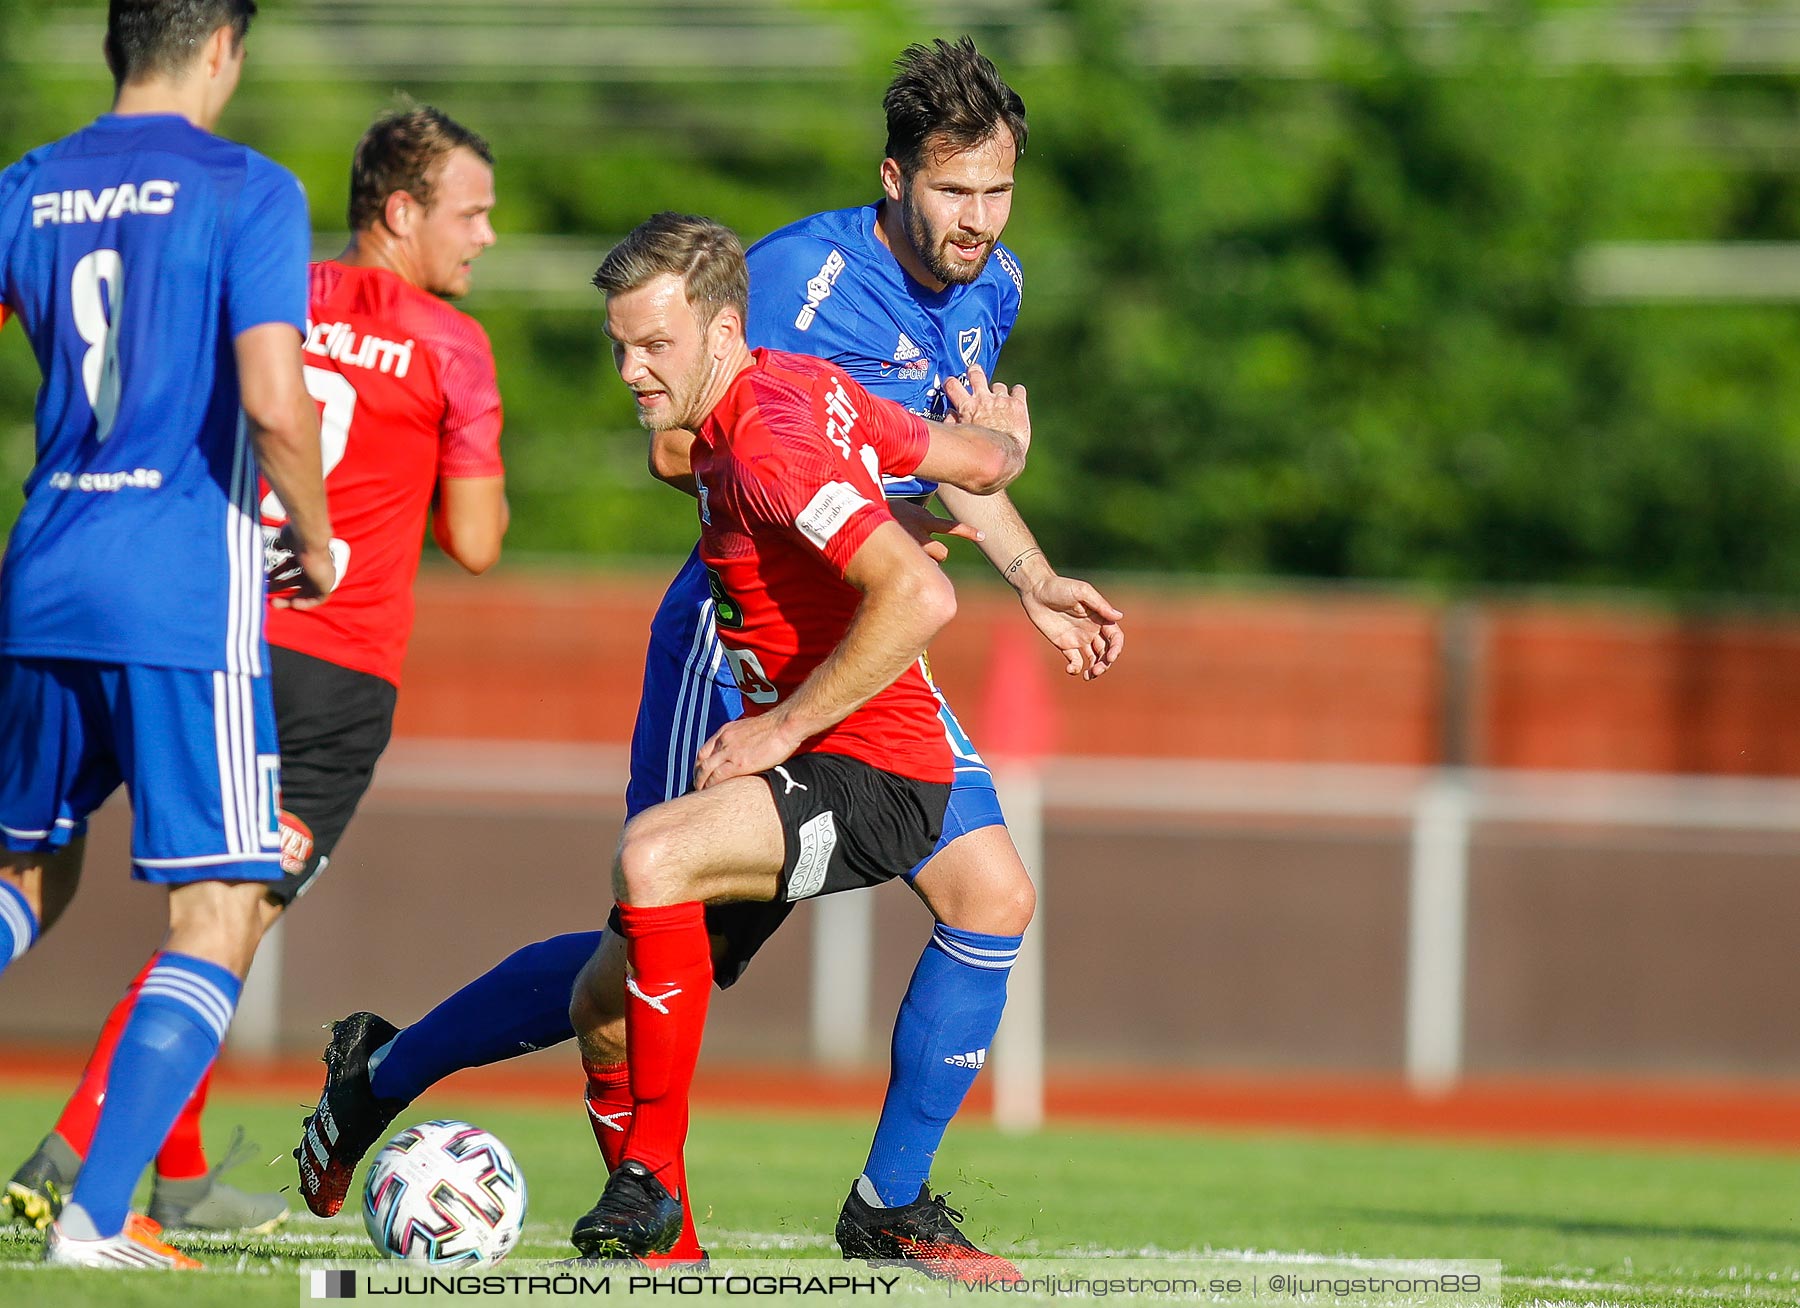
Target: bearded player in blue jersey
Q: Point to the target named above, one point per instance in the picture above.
(160, 273)
(904, 294)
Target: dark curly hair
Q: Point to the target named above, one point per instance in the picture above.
(947, 96)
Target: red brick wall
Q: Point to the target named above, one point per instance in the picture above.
(1274, 677)
(1633, 691)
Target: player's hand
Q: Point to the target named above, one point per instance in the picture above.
(922, 524)
(1079, 621)
(318, 576)
(743, 748)
(298, 579)
(995, 406)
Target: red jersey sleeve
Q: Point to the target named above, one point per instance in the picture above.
(472, 419)
(814, 489)
(898, 436)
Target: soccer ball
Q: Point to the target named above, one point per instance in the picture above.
(444, 1194)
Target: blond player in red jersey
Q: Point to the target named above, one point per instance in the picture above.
(410, 422)
(839, 772)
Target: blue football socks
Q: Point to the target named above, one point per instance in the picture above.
(173, 1036)
(512, 1009)
(947, 1021)
(18, 925)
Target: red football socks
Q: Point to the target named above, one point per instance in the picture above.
(667, 990)
(609, 1106)
(82, 1113)
(182, 1156)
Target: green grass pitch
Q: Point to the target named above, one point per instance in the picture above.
(1571, 1226)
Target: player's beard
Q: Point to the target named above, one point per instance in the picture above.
(685, 397)
(929, 246)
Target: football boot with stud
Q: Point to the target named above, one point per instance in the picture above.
(349, 1119)
(922, 1235)
(636, 1217)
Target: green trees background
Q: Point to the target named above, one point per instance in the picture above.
(1328, 317)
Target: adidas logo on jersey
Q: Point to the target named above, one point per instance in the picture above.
(65, 208)
(906, 351)
(975, 1060)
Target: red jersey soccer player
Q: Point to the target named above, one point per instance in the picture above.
(410, 425)
(839, 773)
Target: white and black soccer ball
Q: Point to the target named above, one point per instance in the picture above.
(444, 1194)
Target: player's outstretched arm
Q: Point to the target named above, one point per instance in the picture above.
(283, 421)
(1073, 616)
(470, 521)
(906, 601)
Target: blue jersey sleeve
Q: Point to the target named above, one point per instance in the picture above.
(9, 193)
(267, 251)
(793, 304)
(1012, 291)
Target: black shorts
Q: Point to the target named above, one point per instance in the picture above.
(846, 825)
(332, 723)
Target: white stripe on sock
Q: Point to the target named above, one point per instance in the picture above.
(979, 954)
(18, 921)
(204, 1009)
(200, 994)
(970, 959)
(944, 938)
(205, 999)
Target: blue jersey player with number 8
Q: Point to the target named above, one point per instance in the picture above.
(160, 274)
(903, 294)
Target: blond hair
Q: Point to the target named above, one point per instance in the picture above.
(706, 255)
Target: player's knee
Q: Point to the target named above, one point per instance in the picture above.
(218, 921)
(21, 872)
(649, 870)
(221, 914)
(1007, 907)
(597, 1022)
(1019, 908)
(604, 1043)
(46, 882)
(593, 1002)
(999, 901)
(597, 1009)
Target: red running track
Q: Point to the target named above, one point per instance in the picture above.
(1579, 1111)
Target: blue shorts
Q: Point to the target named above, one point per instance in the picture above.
(196, 750)
(689, 694)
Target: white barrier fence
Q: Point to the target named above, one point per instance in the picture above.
(1441, 807)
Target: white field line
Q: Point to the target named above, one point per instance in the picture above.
(1675, 1289)
(1586, 1292)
